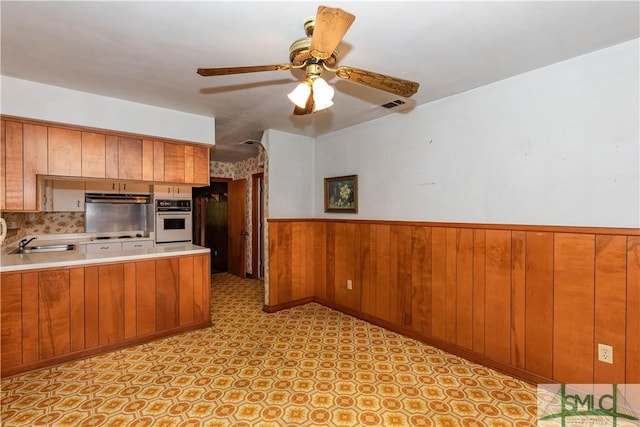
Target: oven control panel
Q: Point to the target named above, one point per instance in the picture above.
(173, 205)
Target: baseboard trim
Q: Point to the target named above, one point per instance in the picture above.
(278, 307)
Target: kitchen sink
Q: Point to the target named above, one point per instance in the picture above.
(43, 249)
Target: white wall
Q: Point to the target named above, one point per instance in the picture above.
(555, 146)
(290, 174)
(25, 98)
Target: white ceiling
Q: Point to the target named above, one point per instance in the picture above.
(148, 52)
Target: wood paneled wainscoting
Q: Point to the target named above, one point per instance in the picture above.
(531, 301)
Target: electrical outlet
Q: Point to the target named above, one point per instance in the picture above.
(605, 353)
(349, 284)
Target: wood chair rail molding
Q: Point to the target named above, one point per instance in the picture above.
(512, 227)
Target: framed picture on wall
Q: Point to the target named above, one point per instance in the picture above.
(341, 194)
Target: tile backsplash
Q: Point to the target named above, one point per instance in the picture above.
(29, 223)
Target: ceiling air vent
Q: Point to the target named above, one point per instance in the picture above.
(393, 104)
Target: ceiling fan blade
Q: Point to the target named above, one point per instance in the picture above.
(390, 84)
(308, 109)
(331, 25)
(206, 72)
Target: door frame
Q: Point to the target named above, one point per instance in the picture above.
(255, 225)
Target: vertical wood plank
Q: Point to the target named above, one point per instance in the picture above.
(518, 261)
(129, 158)
(167, 293)
(188, 163)
(11, 307)
(112, 160)
(76, 289)
(404, 280)
(206, 286)
(93, 155)
(30, 321)
(35, 161)
(451, 285)
(202, 165)
(274, 262)
(111, 303)
(393, 285)
(64, 152)
(317, 244)
(354, 261)
(147, 160)
(367, 298)
(186, 290)
(91, 320)
(14, 176)
(130, 300)
(146, 307)
(633, 313)
(439, 283)
(382, 277)
(498, 295)
(285, 290)
(158, 161)
(297, 260)
(330, 278)
(610, 306)
(421, 280)
(573, 308)
(54, 313)
(340, 265)
(479, 303)
(198, 288)
(539, 304)
(464, 288)
(174, 162)
(308, 251)
(350, 262)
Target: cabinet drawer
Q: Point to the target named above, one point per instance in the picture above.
(104, 247)
(143, 244)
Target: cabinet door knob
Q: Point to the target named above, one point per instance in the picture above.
(78, 203)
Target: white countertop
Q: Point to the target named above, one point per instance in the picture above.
(77, 257)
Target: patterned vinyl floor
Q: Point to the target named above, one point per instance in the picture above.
(306, 366)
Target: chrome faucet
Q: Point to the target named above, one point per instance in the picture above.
(24, 242)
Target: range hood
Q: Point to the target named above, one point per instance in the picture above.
(117, 198)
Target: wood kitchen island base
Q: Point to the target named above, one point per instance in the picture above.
(54, 315)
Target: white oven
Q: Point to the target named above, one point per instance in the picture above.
(173, 221)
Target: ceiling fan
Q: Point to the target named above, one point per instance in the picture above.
(317, 53)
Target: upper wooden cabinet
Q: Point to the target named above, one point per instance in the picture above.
(65, 152)
(181, 163)
(93, 155)
(130, 159)
(201, 165)
(30, 148)
(174, 162)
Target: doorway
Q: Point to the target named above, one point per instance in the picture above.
(219, 224)
(211, 222)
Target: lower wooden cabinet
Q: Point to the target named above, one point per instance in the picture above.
(55, 315)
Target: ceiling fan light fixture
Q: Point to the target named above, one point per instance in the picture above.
(300, 94)
(322, 94)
